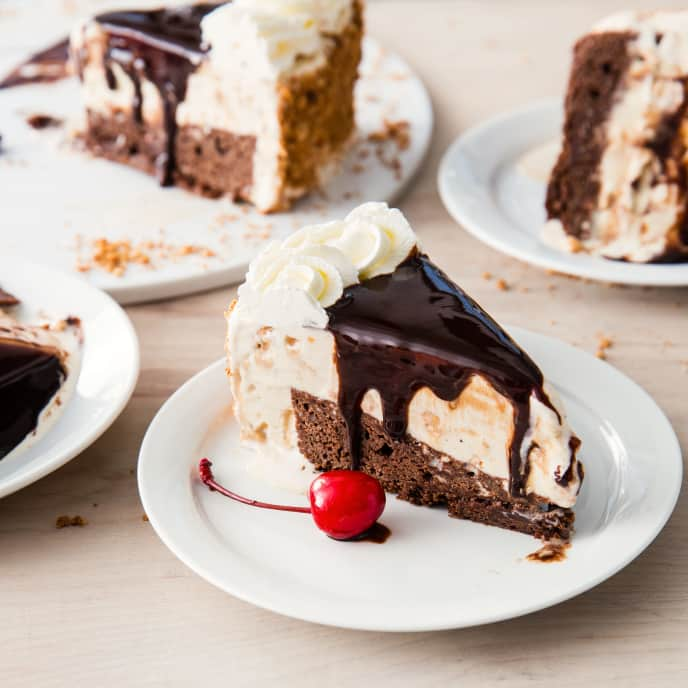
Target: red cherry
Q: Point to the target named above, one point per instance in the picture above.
(345, 504)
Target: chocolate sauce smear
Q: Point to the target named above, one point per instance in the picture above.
(415, 328)
(29, 378)
(164, 47)
(45, 66)
(7, 299)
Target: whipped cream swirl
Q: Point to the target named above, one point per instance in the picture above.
(271, 36)
(292, 282)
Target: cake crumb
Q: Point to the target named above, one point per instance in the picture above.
(144, 518)
(502, 285)
(398, 132)
(394, 134)
(487, 275)
(115, 256)
(603, 344)
(69, 521)
(551, 551)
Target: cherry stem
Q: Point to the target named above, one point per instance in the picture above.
(205, 472)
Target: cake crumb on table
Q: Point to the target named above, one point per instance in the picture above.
(603, 344)
(69, 521)
(502, 285)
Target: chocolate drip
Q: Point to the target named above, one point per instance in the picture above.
(415, 328)
(45, 66)
(30, 376)
(164, 47)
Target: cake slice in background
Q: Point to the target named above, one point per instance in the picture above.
(349, 348)
(39, 366)
(619, 188)
(252, 99)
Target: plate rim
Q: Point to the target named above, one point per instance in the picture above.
(27, 475)
(584, 266)
(169, 286)
(190, 559)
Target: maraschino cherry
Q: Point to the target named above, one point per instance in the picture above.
(344, 504)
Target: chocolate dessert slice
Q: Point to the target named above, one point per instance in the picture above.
(619, 188)
(350, 348)
(252, 99)
(36, 364)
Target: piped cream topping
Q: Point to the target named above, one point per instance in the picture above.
(271, 36)
(295, 280)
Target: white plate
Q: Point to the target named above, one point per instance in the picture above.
(107, 376)
(51, 194)
(434, 572)
(492, 180)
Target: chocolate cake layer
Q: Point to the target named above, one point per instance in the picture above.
(214, 163)
(599, 64)
(30, 376)
(118, 137)
(421, 475)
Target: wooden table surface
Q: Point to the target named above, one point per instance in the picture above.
(109, 605)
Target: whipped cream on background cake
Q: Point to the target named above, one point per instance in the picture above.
(640, 202)
(278, 340)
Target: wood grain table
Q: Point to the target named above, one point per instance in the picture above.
(109, 605)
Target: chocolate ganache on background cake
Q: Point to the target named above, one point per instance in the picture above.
(348, 347)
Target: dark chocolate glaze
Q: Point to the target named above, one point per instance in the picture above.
(163, 46)
(45, 66)
(29, 378)
(415, 328)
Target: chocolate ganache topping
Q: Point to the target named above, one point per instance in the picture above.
(30, 376)
(415, 328)
(164, 47)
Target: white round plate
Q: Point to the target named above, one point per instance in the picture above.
(434, 572)
(492, 180)
(58, 200)
(107, 375)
